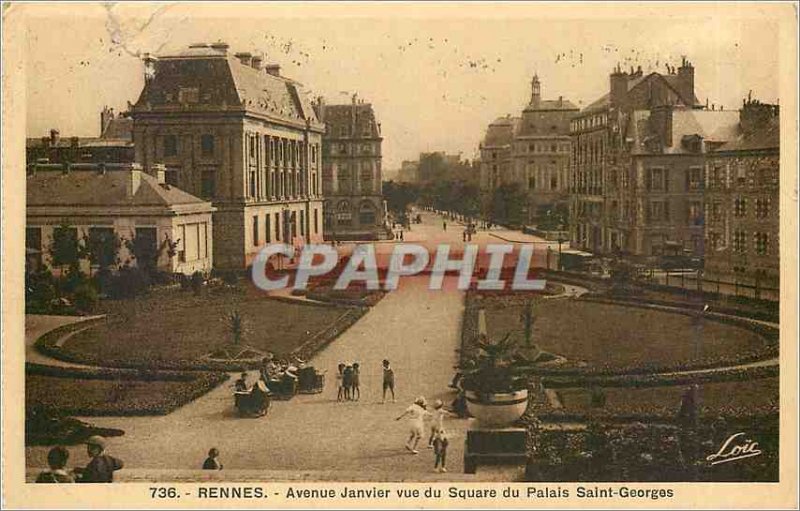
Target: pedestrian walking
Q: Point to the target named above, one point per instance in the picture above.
(57, 461)
(416, 414)
(101, 468)
(440, 450)
(444, 226)
(212, 462)
(464, 236)
(388, 380)
(401, 235)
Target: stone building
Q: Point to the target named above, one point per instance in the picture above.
(351, 170)
(114, 145)
(532, 151)
(636, 169)
(409, 172)
(742, 202)
(236, 132)
(91, 201)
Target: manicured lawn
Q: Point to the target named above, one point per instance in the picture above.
(178, 325)
(714, 398)
(617, 336)
(74, 396)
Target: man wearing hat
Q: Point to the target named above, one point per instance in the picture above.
(101, 468)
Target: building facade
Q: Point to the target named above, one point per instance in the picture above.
(742, 202)
(93, 201)
(532, 151)
(114, 145)
(351, 170)
(636, 172)
(236, 132)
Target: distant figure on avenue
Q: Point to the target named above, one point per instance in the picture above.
(444, 226)
(347, 382)
(440, 450)
(57, 461)
(356, 389)
(340, 382)
(101, 468)
(416, 413)
(437, 420)
(212, 462)
(388, 380)
(401, 236)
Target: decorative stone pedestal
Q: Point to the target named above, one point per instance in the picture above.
(505, 446)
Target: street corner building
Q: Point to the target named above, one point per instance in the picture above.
(637, 167)
(742, 201)
(95, 202)
(351, 171)
(531, 153)
(233, 130)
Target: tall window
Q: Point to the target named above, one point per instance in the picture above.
(252, 183)
(695, 215)
(656, 181)
(316, 221)
(740, 206)
(739, 242)
(207, 145)
(694, 179)
(170, 145)
(277, 226)
(267, 229)
(302, 223)
(207, 185)
(101, 248)
(763, 207)
(255, 230)
(761, 240)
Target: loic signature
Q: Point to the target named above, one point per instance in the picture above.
(734, 448)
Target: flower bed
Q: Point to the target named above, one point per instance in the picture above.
(603, 337)
(649, 452)
(176, 332)
(73, 391)
(732, 398)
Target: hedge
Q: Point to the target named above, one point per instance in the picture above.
(660, 380)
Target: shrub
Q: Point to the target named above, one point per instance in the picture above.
(86, 297)
(197, 281)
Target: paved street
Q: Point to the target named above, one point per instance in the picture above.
(414, 327)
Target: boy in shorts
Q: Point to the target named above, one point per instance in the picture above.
(388, 380)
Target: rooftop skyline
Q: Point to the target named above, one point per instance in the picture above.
(435, 83)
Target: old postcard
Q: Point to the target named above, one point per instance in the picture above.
(399, 255)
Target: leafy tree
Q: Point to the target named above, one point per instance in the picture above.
(101, 247)
(508, 204)
(64, 247)
(399, 196)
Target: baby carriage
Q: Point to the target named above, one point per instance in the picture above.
(252, 403)
(310, 381)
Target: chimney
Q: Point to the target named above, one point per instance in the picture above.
(686, 82)
(661, 124)
(106, 116)
(257, 61)
(220, 46)
(321, 109)
(273, 69)
(245, 58)
(149, 67)
(133, 179)
(54, 137)
(619, 88)
(159, 171)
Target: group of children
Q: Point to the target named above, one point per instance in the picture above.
(349, 381)
(418, 413)
(348, 378)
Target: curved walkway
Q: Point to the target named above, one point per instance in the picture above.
(38, 325)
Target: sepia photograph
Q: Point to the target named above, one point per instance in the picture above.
(325, 254)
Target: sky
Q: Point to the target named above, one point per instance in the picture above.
(436, 75)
